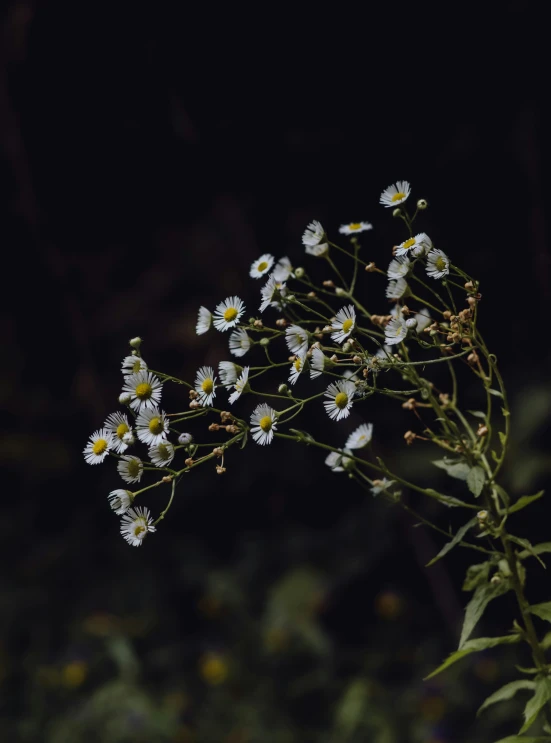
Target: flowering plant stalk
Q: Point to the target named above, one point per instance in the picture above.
(323, 340)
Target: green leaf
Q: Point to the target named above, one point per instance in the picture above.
(454, 467)
(541, 696)
(456, 539)
(475, 608)
(447, 500)
(497, 393)
(543, 611)
(505, 413)
(524, 501)
(502, 493)
(476, 575)
(475, 480)
(524, 739)
(526, 544)
(536, 549)
(502, 438)
(474, 646)
(477, 414)
(507, 692)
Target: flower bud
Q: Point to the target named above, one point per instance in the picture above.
(347, 347)
(340, 292)
(220, 470)
(124, 398)
(299, 272)
(397, 212)
(218, 451)
(258, 324)
(422, 204)
(482, 515)
(357, 359)
(135, 342)
(264, 341)
(411, 323)
(185, 439)
(281, 322)
(129, 438)
(496, 578)
(282, 389)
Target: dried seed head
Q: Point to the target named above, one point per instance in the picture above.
(258, 324)
(281, 322)
(329, 283)
(357, 359)
(218, 451)
(482, 430)
(447, 314)
(410, 437)
(194, 405)
(214, 427)
(193, 395)
(220, 470)
(188, 462)
(370, 267)
(409, 404)
(232, 428)
(225, 416)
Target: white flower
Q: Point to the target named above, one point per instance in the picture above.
(261, 266)
(360, 437)
(318, 362)
(204, 385)
(228, 313)
(239, 342)
(152, 426)
(417, 245)
(318, 251)
(228, 372)
(313, 235)
(161, 454)
(396, 289)
(129, 439)
(395, 194)
(120, 500)
(398, 267)
(353, 227)
(239, 386)
(119, 426)
(133, 365)
(263, 424)
(382, 486)
(98, 447)
(395, 331)
(130, 468)
(282, 270)
(144, 389)
(296, 367)
(204, 321)
(344, 323)
(396, 311)
(438, 264)
(338, 461)
(340, 394)
(296, 339)
(423, 320)
(135, 525)
(267, 292)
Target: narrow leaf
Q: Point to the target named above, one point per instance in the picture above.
(502, 438)
(475, 480)
(475, 608)
(502, 493)
(457, 538)
(543, 611)
(524, 739)
(454, 467)
(505, 413)
(526, 544)
(534, 705)
(507, 692)
(448, 500)
(537, 549)
(477, 414)
(474, 646)
(476, 575)
(524, 501)
(497, 393)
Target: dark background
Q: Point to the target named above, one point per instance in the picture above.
(147, 159)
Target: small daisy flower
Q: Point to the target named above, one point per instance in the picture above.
(99, 446)
(120, 500)
(133, 365)
(319, 362)
(228, 372)
(228, 313)
(396, 288)
(261, 266)
(360, 437)
(354, 227)
(296, 367)
(161, 454)
(204, 321)
(135, 525)
(119, 426)
(240, 386)
(415, 246)
(267, 292)
(313, 235)
(144, 389)
(395, 194)
(395, 331)
(130, 468)
(398, 267)
(438, 264)
(423, 320)
(282, 270)
(318, 251)
(239, 342)
(263, 422)
(152, 426)
(344, 323)
(340, 394)
(338, 461)
(205, 385)
(296, 339)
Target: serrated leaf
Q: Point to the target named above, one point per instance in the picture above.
(507, 692)
(524, 501)
(475, 480)
(475, 608)
(543, 611)
(477, 574)
(456, 539)
(474, 646)
(502, 438)
(477, 414)
(527, 545)
(497, 393)
(534, 705)
(454, 468)
(537, 549)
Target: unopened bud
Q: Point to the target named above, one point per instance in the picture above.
(282, 389)
(312, 295)
(299, 272)
(405, 310)
(264, 341)
(411, 323)
(482, 516)
(167, 478)
(496, 578)
(135, 342)
(471, 301)
(447, 314)
(218, 451)
(422, 204)
(347, 347)
(397, 212)
(185, 439)
(365, 372)
(469, 286)
(473, 358)
(125, 398)
(340, 292)
(188, 462)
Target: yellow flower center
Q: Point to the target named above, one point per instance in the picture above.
(265, 423)
(214, 669)
(143, 391)
(230, 314)
(409, 243)
(139, 529)
(347, 324)
(100, 446)
(341, 400)
(136, 366)
(207, 385)
(355, 226)
(398, 196)
(440, 263)
(133, 468)
(156, 425)
(262, 266)
(361, 439)
(121, 430)
(297, 364)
